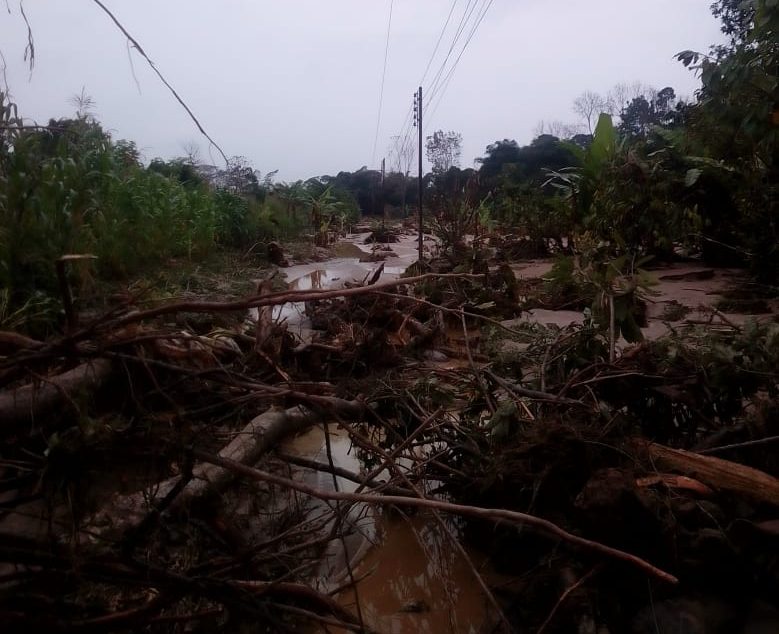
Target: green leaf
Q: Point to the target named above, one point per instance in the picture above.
(765, 83)
(692, 177)
(688, 57)
(604, 142)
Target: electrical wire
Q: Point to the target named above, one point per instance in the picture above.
(383, 77)
(450, 74)
(467, 13)
(441, 81)
(406, 131)
(438, 43)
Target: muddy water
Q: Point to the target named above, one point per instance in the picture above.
(410, 576)
(338, 271)
(415, 581)
(697, 295)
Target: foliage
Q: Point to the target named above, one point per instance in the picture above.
(329, 208)
(641, 115)
(736, 123)
(629, 197)
(443, 150)
(365, 192)
(71, 188)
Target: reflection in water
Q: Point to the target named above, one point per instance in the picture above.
(412, 579)
(417, 582)
(315, 280)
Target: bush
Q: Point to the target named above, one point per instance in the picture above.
(71, 189)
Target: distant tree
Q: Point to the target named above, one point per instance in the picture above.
(364, 185)
(636, 118)
(126, 153)
(642, 113)
(179, 169)
(557, 128)
(443, 150)
(191, 152)
(582, 140)
(498, 154)
(402, 155)
(545, 152)
(241, 178)
(622, 93)
(589, 105)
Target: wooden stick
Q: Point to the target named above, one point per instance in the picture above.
(275, 299)
(717, 473)
(565, 595)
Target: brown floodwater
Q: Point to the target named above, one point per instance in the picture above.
(410, 577)
(414, 580)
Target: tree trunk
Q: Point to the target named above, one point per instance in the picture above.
(31, 405)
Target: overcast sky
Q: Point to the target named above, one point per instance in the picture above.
(294, 85)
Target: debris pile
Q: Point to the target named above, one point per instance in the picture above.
(144, 484)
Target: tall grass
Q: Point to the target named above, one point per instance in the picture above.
(72, 189)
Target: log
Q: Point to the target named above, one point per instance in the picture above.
(719, 474)
(261, 435)
(11, 342)
(31, 404)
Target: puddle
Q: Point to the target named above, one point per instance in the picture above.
(672, 286)
(335, 273)
(411, 578)
(314, 280)
(417, 582)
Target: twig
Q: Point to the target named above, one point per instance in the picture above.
(476, 371)
(162, 78)
(274, 299)
(342, 473)
(500, 515)
(534, 394)
(565, 595)
(299, 591)
(740, 445)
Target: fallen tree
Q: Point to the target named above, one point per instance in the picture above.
(30, 405)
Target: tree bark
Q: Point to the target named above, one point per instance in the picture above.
(261, 435)
(717, 473)
(31, 404)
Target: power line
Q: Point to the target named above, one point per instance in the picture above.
(441, 81)
(486, 7)
(383, 77)
(401, 140)
(407, 128)
(438, 43)
(159, 74)
(467, 12)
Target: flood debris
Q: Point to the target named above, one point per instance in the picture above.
(276, 255)
(145, 483)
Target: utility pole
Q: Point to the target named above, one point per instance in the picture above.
(418, 124)
(381, 196)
